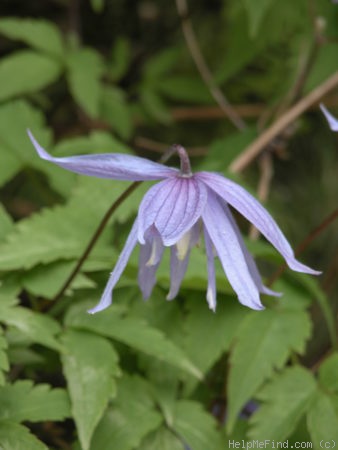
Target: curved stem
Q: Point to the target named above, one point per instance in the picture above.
(305, 243)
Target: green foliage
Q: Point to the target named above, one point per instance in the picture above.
(84, 73)
(14, 437)
(39, 34)
(22, 401)
(157, 374)
(25, 72)
(90, 365)
(264, 342)
(286, 398)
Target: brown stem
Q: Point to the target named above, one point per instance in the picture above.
(131, 188)
(305, 243)
(203, 69)
(257, 147)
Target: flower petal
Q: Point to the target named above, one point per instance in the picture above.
(106, 298)
(179, 259)
(253, 211)
(211, 292)
(173, 206)
(150, 258)
(230, 253)
(249, 259)
(109, 165)
(332, 121)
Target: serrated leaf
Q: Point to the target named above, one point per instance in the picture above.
(285, 400)
(23, 401)
(16, 151)
(328, 373)
(47, 280)
(206, 348)
(4, 366)
(25, 72)
(161, 439)
(61, 232)
(85, 69)
(90, 365)
(16, 437)
(256, 11)
(115, 111)
(40, 34)
(196, 427)
(264, 342)
(38, 327)
(133, 332)
(322, 420)
(131, 410)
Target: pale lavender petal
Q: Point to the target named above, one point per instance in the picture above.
(178, 268)
(253, 211)
(109, 165)
(332, 121)
(179, 259)
(249, 259)
(150, 258)
(173, 206)
(229, 251)
(106, 298)
(211, 292)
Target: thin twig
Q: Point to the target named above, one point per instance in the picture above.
(131, 188)
(203, 68)
(305, 243)
(257, 147)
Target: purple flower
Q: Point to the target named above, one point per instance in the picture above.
(332, 121)
(174, 212)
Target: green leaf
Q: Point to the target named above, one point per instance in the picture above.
(25, 72)
(16, 151)
(328, 373)
(115, 111)
(85, 69)
(134, 332)
(6, 223)
(264, 342)
(205, 348)
(154, 105)
(120, 59)
(23, 401)
(322, 420)
(97, 5)
(222, 151)
(184, 89)
(256, 11)
(37, 33)
(38, 327)
(90, 365)
(47, 280)
(196, 427)
(4, 366)
(130, 418)
(285, 400)
(16, 437)
(161, 439)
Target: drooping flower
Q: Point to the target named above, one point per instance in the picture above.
(332, 121)
(174, 212)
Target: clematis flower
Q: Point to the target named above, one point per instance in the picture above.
(174, 213)
(332, 121)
